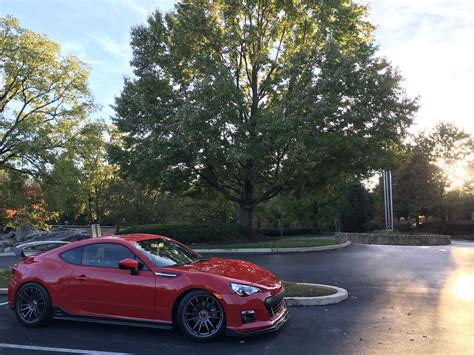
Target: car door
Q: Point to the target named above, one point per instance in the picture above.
(98, 287)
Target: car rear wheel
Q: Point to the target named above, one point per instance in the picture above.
(201, 316)
(32, 305)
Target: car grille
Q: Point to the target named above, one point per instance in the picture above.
(275, 304)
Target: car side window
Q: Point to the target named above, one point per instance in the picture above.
(73, 256)
(100, 255)
(105, 255)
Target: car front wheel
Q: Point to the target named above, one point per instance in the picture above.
(201, 316)
(32, 305)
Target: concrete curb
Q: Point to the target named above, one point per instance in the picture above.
(339, 296)
(3, 291)
(274, 250)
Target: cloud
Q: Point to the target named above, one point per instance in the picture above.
(431, 42)
(145, 7)
(119, 49)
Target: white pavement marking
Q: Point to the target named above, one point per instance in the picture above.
(57, 350)
(3, 304)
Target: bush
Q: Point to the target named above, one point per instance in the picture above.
(188, 233)
(374, 225)
(402, 226)
(275, 232)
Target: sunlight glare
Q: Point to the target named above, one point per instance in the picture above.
(463, 287)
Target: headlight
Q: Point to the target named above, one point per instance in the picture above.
(244, 290)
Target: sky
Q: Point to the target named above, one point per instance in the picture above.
(431, 42)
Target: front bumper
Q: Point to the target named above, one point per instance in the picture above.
(272, 326)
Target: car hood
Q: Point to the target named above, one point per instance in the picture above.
(238, 270)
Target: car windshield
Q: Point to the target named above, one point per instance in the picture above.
(165, 252)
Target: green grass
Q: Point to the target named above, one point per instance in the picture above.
(276, 244)
(4, 277)
(293, 289)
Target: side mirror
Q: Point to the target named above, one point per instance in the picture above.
(129, 264)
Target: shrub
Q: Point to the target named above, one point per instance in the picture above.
(374, 225)
(188, 233)
(275, 232)
(403, 226)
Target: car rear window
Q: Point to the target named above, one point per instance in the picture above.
(73, 256)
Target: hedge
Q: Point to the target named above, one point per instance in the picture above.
(188, 233)
(275, 232)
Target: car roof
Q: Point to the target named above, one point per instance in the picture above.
(122, 239)
(136, 237)
(127, 238)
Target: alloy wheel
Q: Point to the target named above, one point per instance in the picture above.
(31, 304)
(203, 316)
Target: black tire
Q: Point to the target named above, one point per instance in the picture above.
(201, 316)
(32, 305)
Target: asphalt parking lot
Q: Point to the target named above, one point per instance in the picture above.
(403, 300)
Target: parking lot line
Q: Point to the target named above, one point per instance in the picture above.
(3, 304)
(57, 350)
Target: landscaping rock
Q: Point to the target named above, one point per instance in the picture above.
(25, 233)
(9, 235)
(394, 239)
(5, 244)
(67, 234)
(9, 250)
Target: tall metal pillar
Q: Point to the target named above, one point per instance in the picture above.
(388, 199)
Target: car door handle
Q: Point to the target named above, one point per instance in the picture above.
(82, 278)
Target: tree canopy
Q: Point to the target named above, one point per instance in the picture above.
(42, 97)
(252, 97)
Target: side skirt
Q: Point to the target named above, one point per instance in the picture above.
(58, 313)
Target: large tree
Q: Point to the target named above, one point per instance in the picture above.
(451, 150)
(42, 96)
(417, 184)
(252, 97)
(77, 185)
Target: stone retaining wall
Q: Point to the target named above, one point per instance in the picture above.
(394, 239)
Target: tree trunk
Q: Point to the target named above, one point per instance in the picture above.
(96, 204)
(245, 221)
(91, 213)
(246, 210)
(443, 223)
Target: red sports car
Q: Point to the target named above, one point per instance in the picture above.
(150, 281)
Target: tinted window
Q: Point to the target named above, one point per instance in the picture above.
(73, 256)
(165, 252)
(105, 255)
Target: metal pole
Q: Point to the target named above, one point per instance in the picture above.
(391, 199)
(385, 198)
(388, 199)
